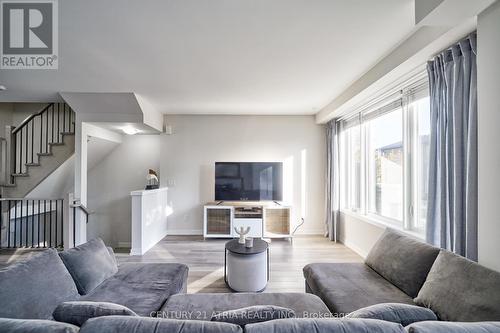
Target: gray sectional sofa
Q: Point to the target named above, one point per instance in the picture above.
(32, 289)
(83, 290)
(400, 269)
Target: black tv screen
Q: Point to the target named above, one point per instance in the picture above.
(248, 181)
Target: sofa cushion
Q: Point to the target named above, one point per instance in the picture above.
(346, 287)
(324, 326)
(89, 264)
(203, 306)
(402, 260)
(448, 327)
(141, 287)
(458, 289)
(253, 314)
(403, 314)
(31, 289)
(120, 324)
(35, 326)
(78, 312)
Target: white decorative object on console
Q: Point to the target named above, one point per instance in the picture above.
(149, 219)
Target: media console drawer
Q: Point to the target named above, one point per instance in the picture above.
(254, 224)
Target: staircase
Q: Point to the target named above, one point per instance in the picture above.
(28, 155)
(36, 148)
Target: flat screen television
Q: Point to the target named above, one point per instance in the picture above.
(248, 181)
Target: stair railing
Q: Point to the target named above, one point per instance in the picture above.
(31, 223)
(77, 204)
(34, 136)
(3, 162)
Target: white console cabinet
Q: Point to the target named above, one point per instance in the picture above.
(265, 219)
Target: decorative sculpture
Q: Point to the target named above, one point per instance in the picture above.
(152, 180)
(242, 232)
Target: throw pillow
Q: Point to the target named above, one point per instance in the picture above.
(78, 312)
(403, 314)
(89, 264)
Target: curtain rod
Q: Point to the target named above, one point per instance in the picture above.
(449, 47)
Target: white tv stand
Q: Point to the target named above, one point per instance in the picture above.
(265, 219)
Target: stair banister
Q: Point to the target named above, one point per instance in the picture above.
(3, 161)
(10, 162)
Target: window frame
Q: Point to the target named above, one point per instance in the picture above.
(407, 96)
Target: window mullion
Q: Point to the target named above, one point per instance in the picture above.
(408, 162)
(364, 169)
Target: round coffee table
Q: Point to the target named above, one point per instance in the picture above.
(246, 269)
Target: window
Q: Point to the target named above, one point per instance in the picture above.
(385, 149)
(385, 165)
(421, 109)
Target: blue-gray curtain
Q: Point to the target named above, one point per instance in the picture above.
(332, 179)
(452, 202)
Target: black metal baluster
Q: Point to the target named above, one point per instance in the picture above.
(41, 131)
(27, 145)
(74, 226)
(26, 225)
(32, 139)
(45, 224)
(47, 131)
(20, 150)
(38, 222)
(57, 220)
(21, 225)
(8, 223)
(52, 125)
(32, 223)
(58, 123)
(64, 118)
(1, 222)
(62, 223)
(15, 223)
(50, 225)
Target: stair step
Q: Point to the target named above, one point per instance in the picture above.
(20, 175)
(44, 154)
(56, 144)
(8, 185)
(32, 164)
(67, 133)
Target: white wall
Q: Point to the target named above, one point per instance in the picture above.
(358, 234)
(6, 110)
(488, 57)
(197, 142)
(110, 183)
(22, 111)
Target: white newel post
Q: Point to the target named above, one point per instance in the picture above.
(80, 180)
(68, 221)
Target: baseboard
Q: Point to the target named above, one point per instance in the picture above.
(124, 244)
(310, 232)
(135, 252)
(355, 248)
(185, 232)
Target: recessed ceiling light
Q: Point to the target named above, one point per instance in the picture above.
(2, 88)
(129, 130)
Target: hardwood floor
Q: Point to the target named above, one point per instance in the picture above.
(205, 259)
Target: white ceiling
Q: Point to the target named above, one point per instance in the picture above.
(218, 56)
